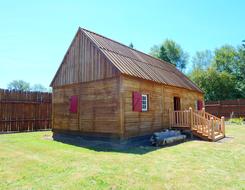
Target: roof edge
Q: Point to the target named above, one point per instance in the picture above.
(56, 73)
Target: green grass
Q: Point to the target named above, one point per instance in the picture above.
(30, 161)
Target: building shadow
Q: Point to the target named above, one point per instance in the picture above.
(139, 145)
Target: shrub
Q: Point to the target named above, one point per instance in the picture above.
(238, 121)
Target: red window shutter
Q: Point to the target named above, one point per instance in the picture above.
(137, 101)
(73, 104)
(199, 104)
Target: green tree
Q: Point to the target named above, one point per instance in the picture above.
(131, 45)
(240, 74)
(216, 85)
(163, 54)
(202, 59)
(171, 52)
(226, 59)
(225, 77)
(19, 85)
(155, 51)
(176, 54)
(39, 88)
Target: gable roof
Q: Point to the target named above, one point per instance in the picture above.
(138, 64)
(135, 63)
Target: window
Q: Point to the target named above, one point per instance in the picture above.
(144, 102)
(140, 102)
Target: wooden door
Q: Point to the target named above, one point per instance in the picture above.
(176, 103)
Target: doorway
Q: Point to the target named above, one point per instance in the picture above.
(176, 103)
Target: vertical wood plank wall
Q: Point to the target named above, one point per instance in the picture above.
(24, 111)
(98, 110)
(83, 62)
(160, 102)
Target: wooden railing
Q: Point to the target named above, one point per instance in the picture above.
(200, 122)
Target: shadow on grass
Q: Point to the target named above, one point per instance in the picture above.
(139, 145)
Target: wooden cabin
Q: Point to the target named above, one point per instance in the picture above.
(104, 88)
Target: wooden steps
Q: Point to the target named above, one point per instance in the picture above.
(201, 123)
(217, 136)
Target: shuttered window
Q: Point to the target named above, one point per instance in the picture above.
(73, 104)
(140, 102)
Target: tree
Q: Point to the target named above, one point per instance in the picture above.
(19, 85)
(163, 54)
(240, 75)
(202, 59)
(39, 88)
(171, 52)
(155, 51)
(176, 54)
(131, 45)
(216, 85)
(226, 59)
(224, 78)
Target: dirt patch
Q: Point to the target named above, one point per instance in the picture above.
(226, 139)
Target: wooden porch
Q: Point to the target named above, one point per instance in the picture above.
(201, 123)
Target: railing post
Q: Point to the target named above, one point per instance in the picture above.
(223, 125)
(191, 117)
(203, 121)
(170, 118)
(212, 127)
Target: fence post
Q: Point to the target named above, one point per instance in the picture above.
(223, 125)
(212, 127)
(191, 117)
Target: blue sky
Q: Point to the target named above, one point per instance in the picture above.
(34, 36)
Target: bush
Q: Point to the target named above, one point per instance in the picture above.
(238, 121)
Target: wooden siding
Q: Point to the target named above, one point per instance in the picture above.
(160, 103)
(98, 110)
(83, 62)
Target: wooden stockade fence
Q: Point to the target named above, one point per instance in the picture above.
(227, 108)
(24, 111)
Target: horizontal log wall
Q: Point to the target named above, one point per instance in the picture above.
(226, 108)
(98, 109)
(24, 111)
(161, 101)
(105, 107)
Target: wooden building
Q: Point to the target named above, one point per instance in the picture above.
(105, 88)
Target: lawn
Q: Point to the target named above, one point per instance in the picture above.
(33, 161)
